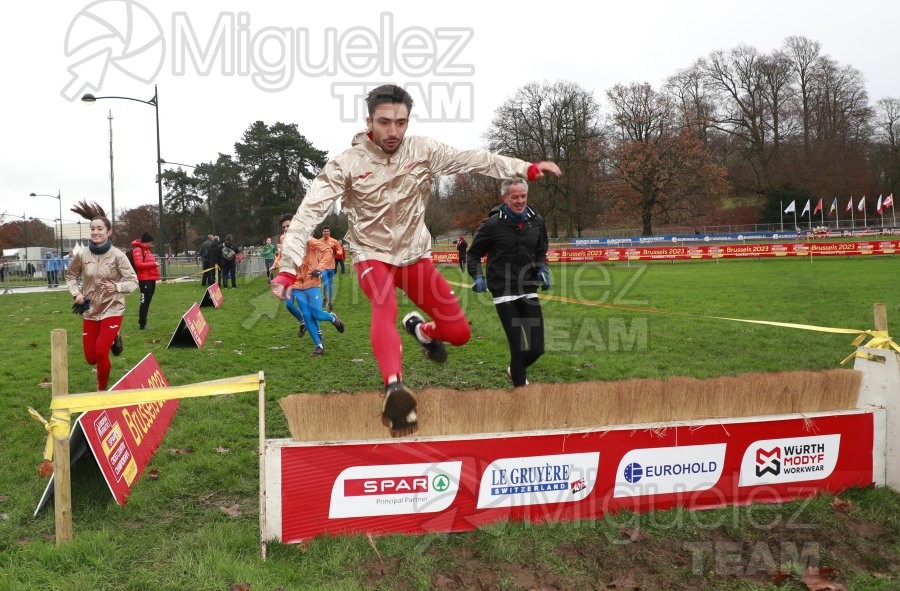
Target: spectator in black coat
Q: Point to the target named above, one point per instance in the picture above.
(209, 273)
(215, 259)
(228, 252)
(461, 247)
(514, 238)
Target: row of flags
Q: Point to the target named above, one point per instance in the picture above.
(882, 204)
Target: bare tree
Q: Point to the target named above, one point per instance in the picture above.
(804, 55)
(694, 99)
(471, 198)
(842, 104)
(132, 223)
(887, 138)
(777, 94)
(841, 130)
(559, 122)
(438, 216)
(738, 80)
(661, 160)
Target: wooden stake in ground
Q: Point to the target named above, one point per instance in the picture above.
(62, 491)
(261, 453)
(880, 313)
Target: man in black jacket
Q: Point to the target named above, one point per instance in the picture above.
(209, 274)
(215, 260)
(461, 248)
(514, 239)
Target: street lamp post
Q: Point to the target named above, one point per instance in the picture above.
(153, 102)
(58, 196)
(112, 176)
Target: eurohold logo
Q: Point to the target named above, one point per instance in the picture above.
(662, 470)
(773, 461)
(394, 489)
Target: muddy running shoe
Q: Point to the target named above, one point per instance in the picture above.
(398, 413)
(434, 349)
(117, 346)
(318, 351)
(337, 322)
(302, 330)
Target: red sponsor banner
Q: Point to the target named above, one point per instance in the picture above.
(123, 439)
(445, 257)
(191, 330)
(459, 484)
(212, 297)
(711, 252)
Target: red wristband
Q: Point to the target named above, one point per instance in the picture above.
(534, 173)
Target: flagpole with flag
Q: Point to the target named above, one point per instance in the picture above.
(781, 214)
(880, 211)
(792, 208)
(862, 207)
(818, 209)
(850, 209)
(834, 209)
(889, 202)
(806, 211)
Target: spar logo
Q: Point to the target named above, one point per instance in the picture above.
(790, 460)
(538, 480)
(661, 470)
(396, 485)
(394, 489)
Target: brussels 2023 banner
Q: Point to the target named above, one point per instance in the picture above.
(706, 252)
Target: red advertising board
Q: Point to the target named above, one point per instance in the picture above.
(124, 439)
(445, 257)
(191, 330)
(707, 252)
(212, 297)
(458, 484)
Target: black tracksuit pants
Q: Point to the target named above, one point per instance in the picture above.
(148, 288)
(523, 324)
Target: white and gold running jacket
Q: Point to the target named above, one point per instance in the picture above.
(385, 196)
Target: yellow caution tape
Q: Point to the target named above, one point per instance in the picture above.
(880, 338)
(115, 398)
(60, 421)
(57, 427)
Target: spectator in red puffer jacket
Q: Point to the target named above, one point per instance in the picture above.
(147, 273)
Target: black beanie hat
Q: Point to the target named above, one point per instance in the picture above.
(146, 237)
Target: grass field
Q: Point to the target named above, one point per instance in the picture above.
(196, 526)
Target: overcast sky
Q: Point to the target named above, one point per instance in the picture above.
(220, 66)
